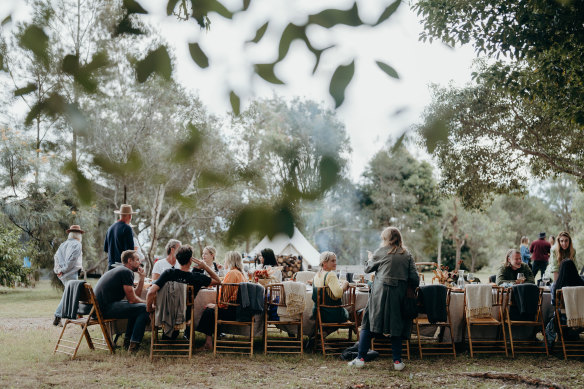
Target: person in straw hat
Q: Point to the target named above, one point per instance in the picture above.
(68, 262)
(120, 236)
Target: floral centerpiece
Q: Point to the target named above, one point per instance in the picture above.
(444, 276)
(264, 276)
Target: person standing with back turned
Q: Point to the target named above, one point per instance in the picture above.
(540, 254)
(119, 237)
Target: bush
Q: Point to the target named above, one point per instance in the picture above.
(12, 253)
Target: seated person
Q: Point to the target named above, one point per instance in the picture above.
(234, 264)
(513, 266)
(166, 263)
(327, 277)
(268, 260)
(209, 253)
(110, 291)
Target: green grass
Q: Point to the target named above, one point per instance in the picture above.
(27, 360)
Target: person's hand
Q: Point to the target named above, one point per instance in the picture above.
(199, 263)
(141, 273)
(369, 255)
(520, 281)
(345, 285)
(150, 308)
(309, 282)
(60, 274)
(211, 305)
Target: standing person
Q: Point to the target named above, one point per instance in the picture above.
(524, 250)
(552, 241)
(540, 254)
(68, 262)
(167, 263)
(563, 249)
(394, 268)
(110, 291)
(120, 236)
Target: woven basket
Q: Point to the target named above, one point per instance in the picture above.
(265, 281)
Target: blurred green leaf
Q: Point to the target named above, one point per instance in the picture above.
(83, 75)
(99, 60)
(263, 220)
(246, 4)
(201, 9)
(133, 7)
(387, 69)
(26, 90)
(390, 10)
(398, 143)
(259, 33)
(208, 178)
(6, 20)
(81, 183)
(266, 71)
(290, 33)
(1, 62)
(157, 61)
(132, 165)
(329, 172)
(35, 39)
(170, 6)
(339, 82)
(434, 133)
(332, 17)
(317, 54)
(125, 27)
(185, 201)
(235, 102)
(71, 64)
(186, 149)
(198, 55)
(52, 106)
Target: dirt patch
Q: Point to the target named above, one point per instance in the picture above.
(37, 323)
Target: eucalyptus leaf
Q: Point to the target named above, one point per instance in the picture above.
(134, 7)
(339, 82)
(259, 33)
(35, 39)
(235, 102)
(125, 27)
(387, 12)
(170, 6)
(25, 90)
(329, 172)
(266, 71)
(332, 17)
(82, 185)
(157, 61)
(398, 143)
(290, 33)
(198, 55)
(387, 69)
(185, 150)
(246, 4)
(7, 20)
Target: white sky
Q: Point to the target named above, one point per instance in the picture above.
(371, 99)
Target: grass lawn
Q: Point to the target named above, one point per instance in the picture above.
(27, 360)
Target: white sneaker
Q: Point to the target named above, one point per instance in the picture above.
(398, 366)
(357, 362)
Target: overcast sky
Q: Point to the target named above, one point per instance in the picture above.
(372, 98)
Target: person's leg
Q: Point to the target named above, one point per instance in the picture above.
(364, 342)
(64, 280)
(396, 348)
(136, 315)
(207, 326)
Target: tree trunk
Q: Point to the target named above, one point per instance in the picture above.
(458, 241)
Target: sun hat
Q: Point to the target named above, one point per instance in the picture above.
(75, 228)
(125, 209)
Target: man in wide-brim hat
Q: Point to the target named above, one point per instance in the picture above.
(68, 262)
(120, 236)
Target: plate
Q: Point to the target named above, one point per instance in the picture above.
(363, 289)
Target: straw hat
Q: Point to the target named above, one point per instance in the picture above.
(125, 209)
(75, 228)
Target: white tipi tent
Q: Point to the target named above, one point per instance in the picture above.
(296, 245)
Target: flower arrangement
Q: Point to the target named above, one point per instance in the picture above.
(262, 274)
(444, 276)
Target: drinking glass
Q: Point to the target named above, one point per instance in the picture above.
(470, 277)
(546, 279)
(520, 276)
(342, 276)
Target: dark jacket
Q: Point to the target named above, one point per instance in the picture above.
(540, 250)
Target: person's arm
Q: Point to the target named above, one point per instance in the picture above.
(131, 295)
(215, 280)
(501, 275)
(150, 297)
(337, 288)
(129, 239)
(140, 286)
(413, 276)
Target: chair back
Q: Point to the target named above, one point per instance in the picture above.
(528, 295)
(274, 296)
(430, 298)
(304, 276)
(227, 295)
(324, 299)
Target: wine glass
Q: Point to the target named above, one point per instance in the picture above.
(342, 276)
(470, 277)
(520, 277)
(546, 279)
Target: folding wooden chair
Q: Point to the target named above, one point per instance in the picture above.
(487, 346)
(273, 299)
(438, 347)
(570, 348)
(529, 346)
(233, 344)
(88, 315)
(335, 344)
(180, 347)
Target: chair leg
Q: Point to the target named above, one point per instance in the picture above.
(265, 334)
(322, 342)
(504, 338)
(511, 339)
(419, 341)
(251, 337)
(547, 351)
(61, 336)
(452, 339)
(561, 335)
(469, 339)
(106, 336)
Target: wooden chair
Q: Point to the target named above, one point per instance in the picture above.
(531, 346)
(435, 347)
(487, 346)
(275, 297)
(88, 315)
(234, 344)
(304, 276)
(335, 345)
(570, 348)
(180, 347)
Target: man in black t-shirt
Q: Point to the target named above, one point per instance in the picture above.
(118, 283)
(184, 256)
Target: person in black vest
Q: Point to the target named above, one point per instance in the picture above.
(110, 291)
(119, 236)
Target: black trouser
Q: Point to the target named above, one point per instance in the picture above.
(539, 266)
(207, 322)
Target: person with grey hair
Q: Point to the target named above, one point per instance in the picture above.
(68, 262)
(167, 263)
(512, 267)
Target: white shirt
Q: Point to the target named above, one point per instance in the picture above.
(162, 264)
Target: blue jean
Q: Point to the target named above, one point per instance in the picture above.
(136, 315)
(64, 280)
(365, 341)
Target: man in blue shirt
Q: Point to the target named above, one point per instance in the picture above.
(120, 236)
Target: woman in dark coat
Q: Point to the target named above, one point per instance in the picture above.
(394, 268)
